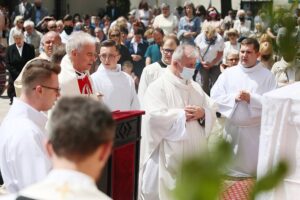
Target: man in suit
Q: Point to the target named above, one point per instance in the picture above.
(24, 8)
(137, 48)
(16, 57)
(38, 12)
(112, 10)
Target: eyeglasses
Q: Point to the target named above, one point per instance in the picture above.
(109, 56)
(52, 27)
(50, 88)
(171, 51)
(114, 35)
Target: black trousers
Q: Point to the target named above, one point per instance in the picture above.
(209, 77)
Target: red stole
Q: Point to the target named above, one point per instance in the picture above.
(84, 84)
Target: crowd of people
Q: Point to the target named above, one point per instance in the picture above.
(184, 68)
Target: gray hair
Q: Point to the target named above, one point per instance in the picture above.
(232, 52)
(50, 33)
(164, 5)
(77, 40)
(183, 50)
(28, 23)
(17, 33)
(18, 18)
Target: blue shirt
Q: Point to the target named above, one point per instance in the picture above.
(153, 51)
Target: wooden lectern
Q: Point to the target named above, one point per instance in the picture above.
(120, 177)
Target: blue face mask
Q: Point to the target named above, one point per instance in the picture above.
(187, 73)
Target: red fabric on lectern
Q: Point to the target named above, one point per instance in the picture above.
(123, 165)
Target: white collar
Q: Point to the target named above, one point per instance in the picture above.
(133, 41)
(39, 118)
(102, 68)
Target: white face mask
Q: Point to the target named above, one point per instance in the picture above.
(187, 73)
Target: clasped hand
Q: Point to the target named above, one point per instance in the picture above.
(243, 96)
(194, 112)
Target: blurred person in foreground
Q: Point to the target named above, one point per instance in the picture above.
(80, 142)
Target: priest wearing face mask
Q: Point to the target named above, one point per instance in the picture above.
(68, 28)
(179, 117)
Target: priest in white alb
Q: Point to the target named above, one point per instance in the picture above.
(179, 117)
(238, 92)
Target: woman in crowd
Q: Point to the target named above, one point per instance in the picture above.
(114, 33)
(232, 43)
(211, 47)
(242, 25)
(213, 17)
(189, 25)
(144, 14)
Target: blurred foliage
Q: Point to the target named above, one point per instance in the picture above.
(202, 177)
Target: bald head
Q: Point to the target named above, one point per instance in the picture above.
(49, 40)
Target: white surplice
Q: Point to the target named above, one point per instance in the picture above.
(166, 136)
(150, 73)
(117, 87)
(243, 119)
(23, 158)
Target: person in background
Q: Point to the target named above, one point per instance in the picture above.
(201, 12)
(266, 55)
(155, 70)
(189, 25)
(214, 18)
(137, 48)
(24, 9)
(153, 53)
(17, 55)
(166, 20)
(232, 59)
(211, 46)
(112, 10)
(51, 25)
(59, 26)
(231, 44)
(127, 67)
(23, 159)
(68, 28)
(81, 135)
(143, 14)
(18, 26)
(32, 36)
(287, 70)
(38, 11)
(48, 44)
(114, 33)
(242, 25)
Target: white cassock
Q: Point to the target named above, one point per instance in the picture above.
(117, 87)
(23, 158)
(63, 184)
(243, 119)
(166, 136)
(150, 73)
